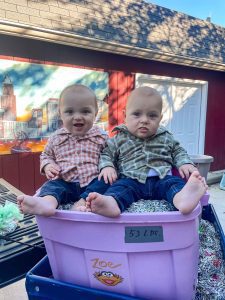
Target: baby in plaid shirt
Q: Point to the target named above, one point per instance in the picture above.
(143, 153)
(71, 156)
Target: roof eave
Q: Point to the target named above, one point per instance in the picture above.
(75, 40)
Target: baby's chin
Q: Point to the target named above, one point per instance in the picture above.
(144, 135)
(79, 131)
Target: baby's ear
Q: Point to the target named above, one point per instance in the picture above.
(161, 117)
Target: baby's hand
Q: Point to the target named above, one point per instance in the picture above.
(109, 175)
(186, 170)
(52, 171)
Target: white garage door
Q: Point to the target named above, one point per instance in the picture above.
(184, 108)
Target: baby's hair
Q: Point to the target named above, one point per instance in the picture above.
(78, 88)
(146, 91)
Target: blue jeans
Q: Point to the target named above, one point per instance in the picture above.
(66, 192)
(126, 190)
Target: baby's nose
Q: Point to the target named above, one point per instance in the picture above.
(76, 116)
(144, 119)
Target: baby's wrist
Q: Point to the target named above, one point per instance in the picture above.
(45, 167)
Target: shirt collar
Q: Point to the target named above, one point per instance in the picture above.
(123, 128)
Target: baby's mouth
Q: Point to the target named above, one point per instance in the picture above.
(143, 129)
(78, 125)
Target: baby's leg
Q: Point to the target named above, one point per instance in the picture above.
(188, 198)
(45, 206)
(80, 205)
(102, 205)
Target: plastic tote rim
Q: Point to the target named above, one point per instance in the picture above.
(163, 217)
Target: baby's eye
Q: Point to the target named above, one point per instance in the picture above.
(86, 111)
(152, 116)
(136, 113)
(68, 112)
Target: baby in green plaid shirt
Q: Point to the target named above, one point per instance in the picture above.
(142, 155)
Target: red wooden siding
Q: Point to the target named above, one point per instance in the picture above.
(26, 173)
(120, 86)
(10, 169)
(38, 178)
(21, 171)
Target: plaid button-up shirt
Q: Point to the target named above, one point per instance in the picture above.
(134, 157)
(77, 157)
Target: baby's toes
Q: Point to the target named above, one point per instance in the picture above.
(81, 208)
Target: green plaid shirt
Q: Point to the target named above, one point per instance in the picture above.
(134, 157)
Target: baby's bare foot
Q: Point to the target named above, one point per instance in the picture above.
(79, 206)
(102, 205)
(45, 206)
(188, 198)
(82, 208)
